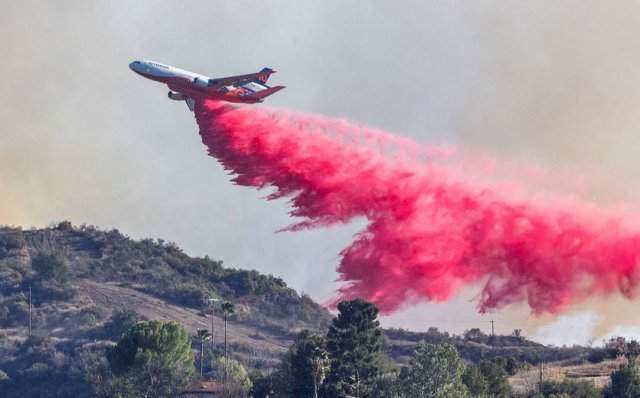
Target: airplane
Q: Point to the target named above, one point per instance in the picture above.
(189, 87)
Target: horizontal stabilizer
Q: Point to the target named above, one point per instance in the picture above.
(267, 92)
(239, 80)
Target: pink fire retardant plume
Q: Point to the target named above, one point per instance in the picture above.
(430, 232)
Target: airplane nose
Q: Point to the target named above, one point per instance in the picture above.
(134, 66)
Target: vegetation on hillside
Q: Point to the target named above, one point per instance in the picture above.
(475, 346)
(352, 358)
(78, 348)
(49, 259)
(70, 332)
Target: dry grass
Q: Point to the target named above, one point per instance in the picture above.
(597, 373)
(111, 296)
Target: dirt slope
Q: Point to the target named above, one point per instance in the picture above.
(111, 296)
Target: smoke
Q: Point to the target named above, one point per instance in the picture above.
(573, 329)
(431, 230)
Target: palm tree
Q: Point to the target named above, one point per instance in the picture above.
(203, 335)
(227, 309)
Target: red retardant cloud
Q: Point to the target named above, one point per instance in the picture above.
(430, 232)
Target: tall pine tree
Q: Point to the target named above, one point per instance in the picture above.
(354, 343)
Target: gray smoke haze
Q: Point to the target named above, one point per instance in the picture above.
(85, 139)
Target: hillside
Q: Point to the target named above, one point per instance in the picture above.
(105, 270)
(88, 284)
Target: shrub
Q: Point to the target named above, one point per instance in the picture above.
(566, 388)
(50, 267)
(191, 296)
(64, 226)
(597, 355)
(120, 321)
(625, 382)
(14, 311)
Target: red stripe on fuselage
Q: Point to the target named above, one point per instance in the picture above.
(186, 87)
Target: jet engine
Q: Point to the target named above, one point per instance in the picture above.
(201, 82)
(176, 96)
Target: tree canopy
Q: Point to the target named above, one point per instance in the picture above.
(625, 382)
(435, 372)
(237, 383)
(496, 377)
(354, 343)
(156, 354)
(50, 267)
(308, 363)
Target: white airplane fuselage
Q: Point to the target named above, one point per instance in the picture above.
(186, 85)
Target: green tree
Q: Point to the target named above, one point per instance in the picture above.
(496, 377)
(509, 364)
(616, 346)
(435, 372)
(50, 267)
(203, 336)
(597, 355)
(64, 226)
(632, 350)
(388, 385)
(354, 343)
(238, 383)
(264, 386)
(476, 335)
(566, 388)
(625, 382)
(475, 382)
(156, 355)
(308, 362)
(105, 385)
(121, 320)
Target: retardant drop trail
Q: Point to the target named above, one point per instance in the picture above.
(429, 233)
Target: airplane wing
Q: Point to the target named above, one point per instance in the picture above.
(239, 80)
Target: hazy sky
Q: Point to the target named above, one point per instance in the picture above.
(83, 138)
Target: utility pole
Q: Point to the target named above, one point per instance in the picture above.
(30, 311)
(541, 370)
(212, 303)
(201, 358)
(225, 335)
(203, 335)
(226, 363)
(493, 333)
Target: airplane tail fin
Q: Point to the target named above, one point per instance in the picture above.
(267, 92)
(264, 74)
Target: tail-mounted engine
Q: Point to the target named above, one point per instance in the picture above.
(176, 96)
